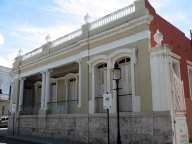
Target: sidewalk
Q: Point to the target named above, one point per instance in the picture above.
(36, 140)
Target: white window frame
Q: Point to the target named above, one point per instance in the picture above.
(96, 82)
(92, 66)
(189, 68)
(37, 84)
(123, 64)
(66, 78)
(177, 63)
(110, 60)
(131, 53)
(99, 71)
(175, 59)
(53, 80)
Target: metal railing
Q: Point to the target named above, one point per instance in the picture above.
(62, 107)
(30, 109)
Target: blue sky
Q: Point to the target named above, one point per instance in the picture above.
(24, 24)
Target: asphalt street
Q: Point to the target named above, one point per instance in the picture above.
(4, 140)
(7, 138)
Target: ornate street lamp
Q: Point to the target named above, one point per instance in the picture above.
(117, 77)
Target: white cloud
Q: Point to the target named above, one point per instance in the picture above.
(34, 37)
(159, 5)
(1, 39)
(95, 8)
(30, 37)
(8, 60)
(177, 17)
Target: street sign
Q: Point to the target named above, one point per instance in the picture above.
(13, 107)
(107, 101)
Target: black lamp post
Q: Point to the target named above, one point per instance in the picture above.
(117, 77)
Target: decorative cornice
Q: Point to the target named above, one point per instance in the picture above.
(161, 47)
(113, 31)
(121, 28)
(108, 46)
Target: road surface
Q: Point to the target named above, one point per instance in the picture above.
(4, 140)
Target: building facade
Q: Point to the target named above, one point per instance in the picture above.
(5, 82)
(58, 88)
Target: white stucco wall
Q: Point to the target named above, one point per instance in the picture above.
(5, 79)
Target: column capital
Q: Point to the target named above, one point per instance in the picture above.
(22, 78)
(165, 47)
(78, 60)
(42, 72)
(48, 71)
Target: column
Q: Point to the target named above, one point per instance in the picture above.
(66, 93)
(47, 88)
(160, 61)
(43, 90)
(92, 102)
(79, 83)
(21, 90)
(11, 97)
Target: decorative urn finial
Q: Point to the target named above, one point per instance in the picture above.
(19, 52)
(47, 38)
(86, 18)
(158, 37)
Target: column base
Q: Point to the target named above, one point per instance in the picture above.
(42, 112)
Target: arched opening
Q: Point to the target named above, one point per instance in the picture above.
(125, 83)
(72, 92)
(100, 86)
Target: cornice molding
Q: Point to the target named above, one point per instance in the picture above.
(113, 31)
(108, 46)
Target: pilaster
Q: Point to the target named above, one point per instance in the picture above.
(160, 61)
(21, 90)
(43, 90)
(79, 82)
(47, 88)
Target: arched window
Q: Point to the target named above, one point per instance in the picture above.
(37, 86)
(125, 93)
(72, 89)
(71, 82)
(53, 90)
(100, 68)
(100, 86)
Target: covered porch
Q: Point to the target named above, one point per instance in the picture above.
(55, 91)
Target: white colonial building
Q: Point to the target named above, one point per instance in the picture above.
(58, 88)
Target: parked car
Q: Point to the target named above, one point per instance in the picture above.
(4, 121)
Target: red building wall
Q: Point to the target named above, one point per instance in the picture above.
(181, 46)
